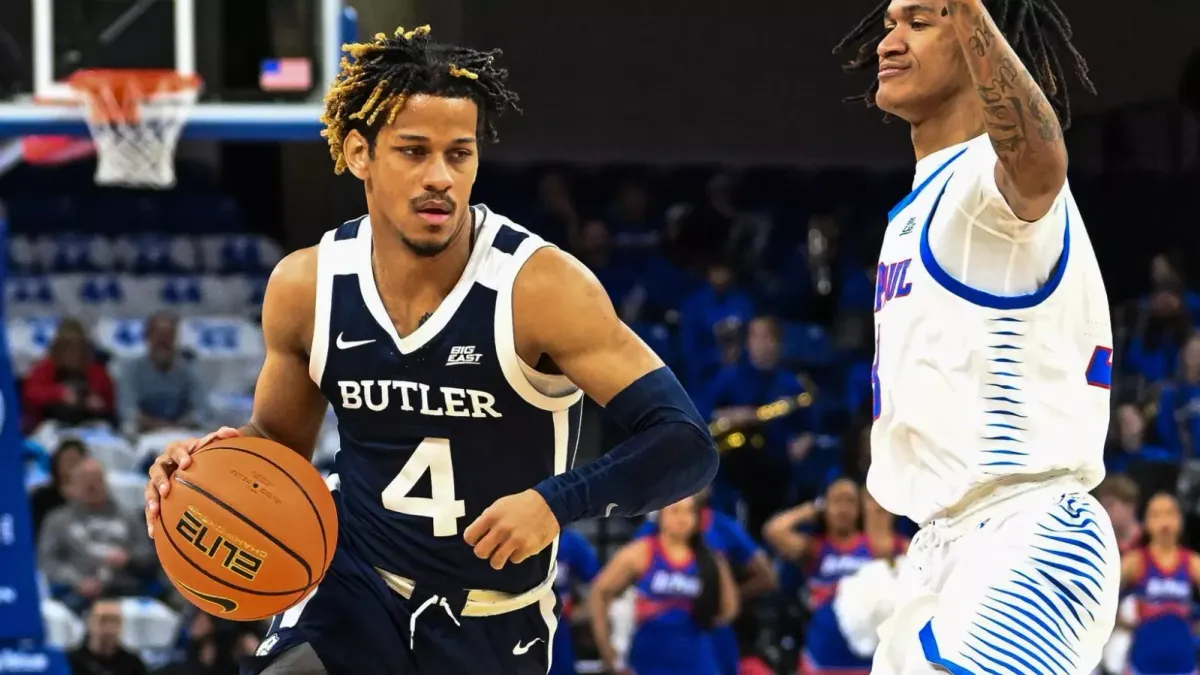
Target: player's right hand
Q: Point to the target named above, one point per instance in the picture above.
(177, 455)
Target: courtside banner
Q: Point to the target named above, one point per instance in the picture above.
(20, 607)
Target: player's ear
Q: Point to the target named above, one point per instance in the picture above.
(357, 152)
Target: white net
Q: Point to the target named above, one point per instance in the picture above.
(137, 150)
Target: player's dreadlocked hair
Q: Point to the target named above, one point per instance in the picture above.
(1036, 29)
(377, 77)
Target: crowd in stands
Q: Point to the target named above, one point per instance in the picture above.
(126, 341)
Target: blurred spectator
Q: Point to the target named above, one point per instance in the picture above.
(161, 390)
(208, 655)
(89, 547)
(556, 218)
(1118, 494)
(577, 566)
(730, 338)
(813, 279)
(711, 308)
(1161, 330)
(51, 496)
(213, 647)
(1166, 274)
(648, 287)
(850, 395)
(856, 452)
(702, 235)
(673, 242)
(632, 227)
(619, 279)
(858, 285)
(197, 643)
(734, 395)
(1178, 423)
(69, 385)
(1154, 468)
(101, 652)
(245, 644)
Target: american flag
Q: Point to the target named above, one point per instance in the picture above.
(290, 74)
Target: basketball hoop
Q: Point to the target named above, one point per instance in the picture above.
(135, 118)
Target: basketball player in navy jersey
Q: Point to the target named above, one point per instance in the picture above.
(455, 347)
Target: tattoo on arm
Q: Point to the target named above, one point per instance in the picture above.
(1023, 127)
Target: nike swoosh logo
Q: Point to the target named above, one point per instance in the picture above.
(342, 344)
(225, 604)
(524, 648)
(609, 509)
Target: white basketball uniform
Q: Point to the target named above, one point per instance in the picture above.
(991, 379)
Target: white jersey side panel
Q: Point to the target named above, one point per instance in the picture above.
(971, 387)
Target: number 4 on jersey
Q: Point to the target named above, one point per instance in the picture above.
(432, 456)
(1099, 370)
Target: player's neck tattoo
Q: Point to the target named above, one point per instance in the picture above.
(424, 319)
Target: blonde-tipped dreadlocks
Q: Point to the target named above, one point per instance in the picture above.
(377, 77)
(1032, 27)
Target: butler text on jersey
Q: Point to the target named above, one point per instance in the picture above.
(378, 395)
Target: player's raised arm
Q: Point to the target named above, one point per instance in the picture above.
(566, 313)
(1025, 131)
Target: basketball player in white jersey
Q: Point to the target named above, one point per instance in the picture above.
(993, 358)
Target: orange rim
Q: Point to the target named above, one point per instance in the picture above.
(115, 95)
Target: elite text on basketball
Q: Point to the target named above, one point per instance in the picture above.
(236, 555)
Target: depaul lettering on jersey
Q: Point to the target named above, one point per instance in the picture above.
(841, 565)
(1168, 588)
(670, 582)
(377, 396)
(891, 282)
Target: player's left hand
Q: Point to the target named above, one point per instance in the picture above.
(513, 529)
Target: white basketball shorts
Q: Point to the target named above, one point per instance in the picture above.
(1025, 584)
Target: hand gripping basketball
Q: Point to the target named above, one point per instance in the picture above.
(177, 455)
(247, 528)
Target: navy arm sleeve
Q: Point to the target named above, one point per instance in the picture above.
(670, 455)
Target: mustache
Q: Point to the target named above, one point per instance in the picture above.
(428, 199)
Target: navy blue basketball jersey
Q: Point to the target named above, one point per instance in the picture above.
(439, 424)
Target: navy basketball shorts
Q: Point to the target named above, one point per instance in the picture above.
(358, 625)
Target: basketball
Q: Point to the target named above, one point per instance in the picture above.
(247, 530)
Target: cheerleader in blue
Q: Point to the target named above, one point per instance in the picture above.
(838, 551)
(1162, 577)
(682, 590)
(752, 570)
